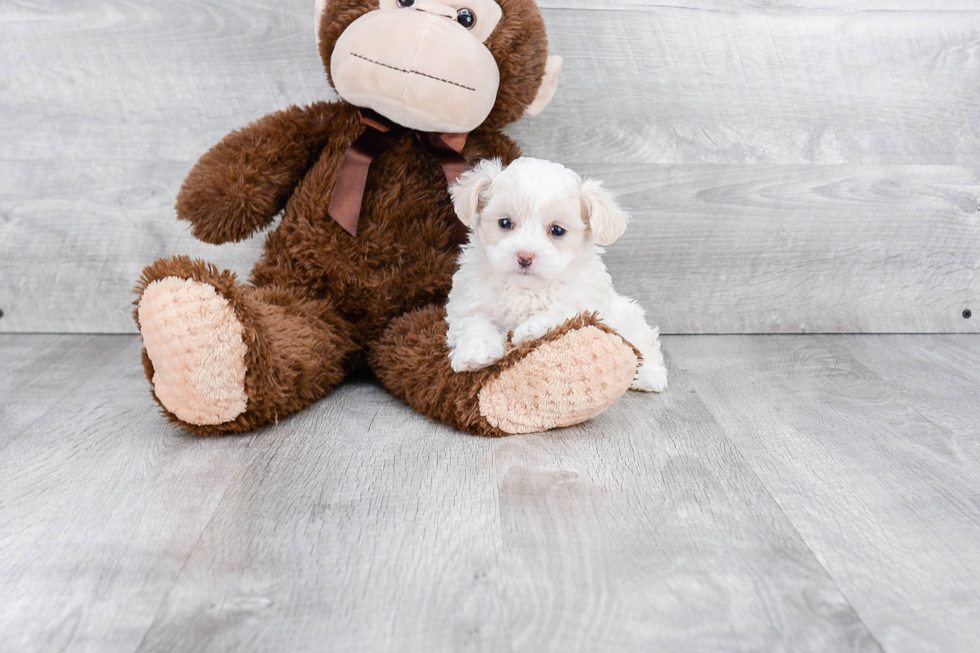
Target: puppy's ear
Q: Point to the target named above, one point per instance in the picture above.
(606, 219)
(468, 191)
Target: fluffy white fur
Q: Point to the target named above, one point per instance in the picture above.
(526, 276)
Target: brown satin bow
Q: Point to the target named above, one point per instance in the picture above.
(380, 134)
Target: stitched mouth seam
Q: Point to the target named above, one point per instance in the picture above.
(412, 72)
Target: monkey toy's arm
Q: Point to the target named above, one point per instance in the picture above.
(241, 184)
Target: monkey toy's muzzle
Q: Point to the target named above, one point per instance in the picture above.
(420, 69)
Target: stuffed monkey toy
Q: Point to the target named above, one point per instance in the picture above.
(358, 269)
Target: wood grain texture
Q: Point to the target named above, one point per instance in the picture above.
(645, 530)
(69, 264)
(757, 122)
(712, 249)
(402, 535)
(800, 249)
(870, 447)
(788, 493)
(360, 526)
(100, 501)
(682, 83)
(370, 529)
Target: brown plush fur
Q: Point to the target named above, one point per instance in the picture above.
(298, 348)
(411, 361)
(244, 181)
(320, 301)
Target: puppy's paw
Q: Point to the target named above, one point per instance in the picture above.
(650, 377)
(535, 327)
(476, 353)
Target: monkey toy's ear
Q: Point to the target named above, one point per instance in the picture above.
(549, 84)
(468, 192)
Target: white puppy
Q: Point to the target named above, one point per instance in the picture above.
(533, 262)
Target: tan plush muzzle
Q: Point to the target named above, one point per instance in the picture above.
(394, 62)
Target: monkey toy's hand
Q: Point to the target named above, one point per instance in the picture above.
(240, 185)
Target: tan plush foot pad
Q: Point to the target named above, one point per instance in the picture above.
(194, 340)
(562, 382)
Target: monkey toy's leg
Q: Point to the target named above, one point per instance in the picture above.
(224, 357)
(570, 375)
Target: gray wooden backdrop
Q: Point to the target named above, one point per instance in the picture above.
(803, 167)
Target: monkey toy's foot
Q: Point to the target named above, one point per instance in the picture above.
(224, 357)
(195, 352)
(194, 341)
(572, 374)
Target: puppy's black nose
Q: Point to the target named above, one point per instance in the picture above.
(524, 259)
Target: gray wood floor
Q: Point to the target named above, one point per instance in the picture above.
(788, 493)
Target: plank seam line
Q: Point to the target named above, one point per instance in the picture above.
(61, 397)
(750, 468)
(183, 567)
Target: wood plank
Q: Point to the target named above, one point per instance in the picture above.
(703, 519)
(100, 501)
(370, 528)
(870, 447)
(801, 86)
(937, 381)
(377, 560)
(712, 249)
(686, 84)
(39, 372)
(804, 249)
(75, 240)
(106, 79)
(107, 105)
(645, 530)
(383, 532)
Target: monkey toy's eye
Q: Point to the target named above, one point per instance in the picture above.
(405, 4)
(505, 223)
(464, 17)
(556, 231)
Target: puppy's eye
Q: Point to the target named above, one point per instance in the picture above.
(505, 223)
(405, 4)
(464, 17)
(556, 231)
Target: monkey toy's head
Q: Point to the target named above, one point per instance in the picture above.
(439, 65)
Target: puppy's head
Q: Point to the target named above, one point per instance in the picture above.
(535, 219)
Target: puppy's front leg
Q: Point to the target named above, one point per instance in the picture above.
(474, 343)
(537, 325)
